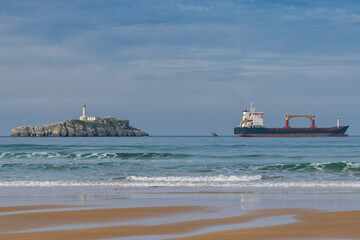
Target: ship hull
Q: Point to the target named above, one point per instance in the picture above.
(291, 132)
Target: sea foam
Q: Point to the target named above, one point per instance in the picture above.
(220, 179)
(182, 183)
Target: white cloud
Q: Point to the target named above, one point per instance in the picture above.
(196, 8)
(354, 18)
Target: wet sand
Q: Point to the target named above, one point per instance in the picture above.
(101, 213)
(310, 223)
(33, 220)
(31, 207)
(328, 225)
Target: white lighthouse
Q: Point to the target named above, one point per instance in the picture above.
(85, 118)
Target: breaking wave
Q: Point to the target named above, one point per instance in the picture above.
(71, 155)
(207, 179)
(342, 166)
(187, 183)
(136, 181)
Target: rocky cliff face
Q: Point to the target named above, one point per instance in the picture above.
(104, 127)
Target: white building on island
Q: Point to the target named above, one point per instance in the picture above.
(85, 118)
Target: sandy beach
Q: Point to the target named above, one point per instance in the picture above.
(221, 217)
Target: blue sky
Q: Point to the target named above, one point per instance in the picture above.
(179, 67)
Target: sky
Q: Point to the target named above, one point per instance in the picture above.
(179, 67)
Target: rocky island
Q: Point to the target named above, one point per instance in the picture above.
(84, 127)
(104, 127)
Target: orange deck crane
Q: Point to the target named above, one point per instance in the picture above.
(311, 117)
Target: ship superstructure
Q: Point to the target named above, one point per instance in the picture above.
(252, 119)
(252, 125)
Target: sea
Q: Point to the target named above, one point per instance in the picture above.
(168, 164)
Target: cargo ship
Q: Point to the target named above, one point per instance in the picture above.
(252, 126)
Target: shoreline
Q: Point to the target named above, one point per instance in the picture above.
(113, 188)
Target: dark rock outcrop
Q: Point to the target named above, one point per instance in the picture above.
(105, 127)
